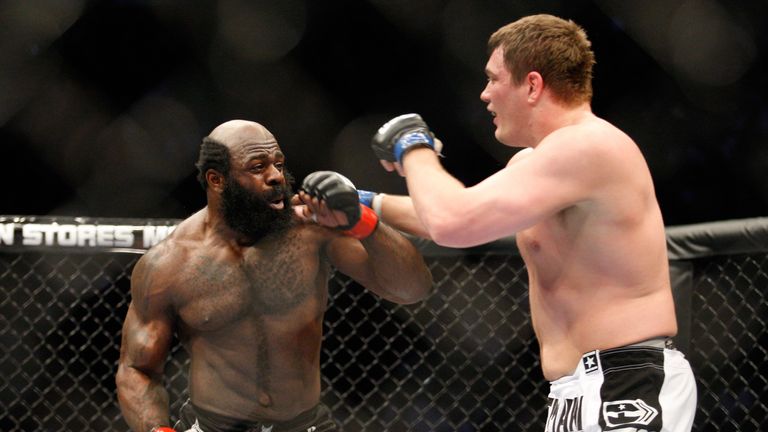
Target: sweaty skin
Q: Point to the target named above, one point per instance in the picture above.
(249, 313)
(580, 201)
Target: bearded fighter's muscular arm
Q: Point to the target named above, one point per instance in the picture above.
(147, 333)
(385, 262)
(372, 253)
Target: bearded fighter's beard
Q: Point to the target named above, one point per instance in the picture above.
(251, 215)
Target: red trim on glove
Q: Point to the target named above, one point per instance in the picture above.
(365, 226)
(163, 429)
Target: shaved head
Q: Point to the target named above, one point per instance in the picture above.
(238, 132)
(231, 139)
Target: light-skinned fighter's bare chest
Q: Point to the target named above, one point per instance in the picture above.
(547, 245)
(220, 287)
(541, 238)
(555, 233)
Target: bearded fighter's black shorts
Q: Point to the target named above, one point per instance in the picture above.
(642, 387)
(195, 419)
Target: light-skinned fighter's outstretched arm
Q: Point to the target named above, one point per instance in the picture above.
(568, 167)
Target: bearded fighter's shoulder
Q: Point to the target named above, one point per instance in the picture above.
(177, 246)
(155, 274)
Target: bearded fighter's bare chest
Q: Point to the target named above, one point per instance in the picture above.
(220, 288)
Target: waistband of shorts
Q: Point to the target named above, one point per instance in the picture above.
(593, 360)
(232, 423)
(657, 342)
(640, 354)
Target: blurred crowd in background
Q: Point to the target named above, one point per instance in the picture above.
(104, 103)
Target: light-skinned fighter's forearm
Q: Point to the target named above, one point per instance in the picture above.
(436, 195)
(398, 212)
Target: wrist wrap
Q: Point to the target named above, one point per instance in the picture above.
(365, 226)
(411, 139)
(376, 203)
(366, 197)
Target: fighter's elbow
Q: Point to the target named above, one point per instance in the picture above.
(122, 381)
(443, 239)
(129, 375)
(445, 232)
(414, 288)
(416, 295)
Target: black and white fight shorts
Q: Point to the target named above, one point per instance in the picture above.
(647, 386)
(195, 419)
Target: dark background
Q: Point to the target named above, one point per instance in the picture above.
(103, 103)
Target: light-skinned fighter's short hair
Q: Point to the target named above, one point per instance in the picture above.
(557, 49)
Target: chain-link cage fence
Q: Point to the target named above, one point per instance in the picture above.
(463, 360)
(729, 342)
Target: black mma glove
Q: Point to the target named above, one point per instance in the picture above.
(402, 133)
(340, 194)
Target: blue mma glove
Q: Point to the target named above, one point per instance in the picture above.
(401, 134)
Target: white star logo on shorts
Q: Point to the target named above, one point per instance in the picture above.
(590, 362)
